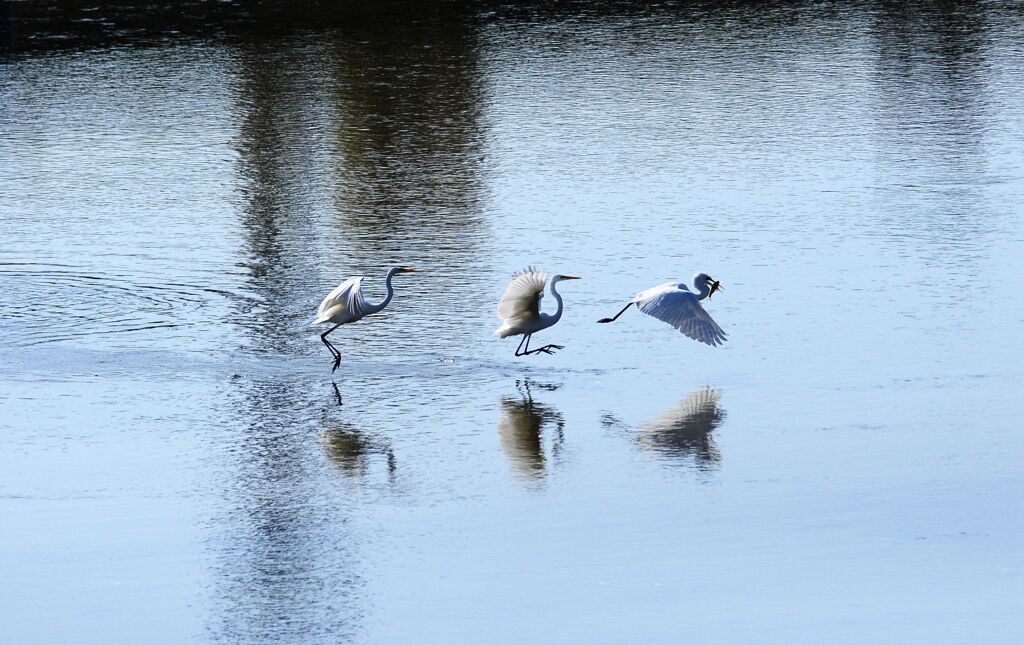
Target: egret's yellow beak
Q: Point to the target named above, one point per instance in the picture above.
(410, 271)
(571, 277)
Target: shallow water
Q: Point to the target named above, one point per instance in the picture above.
(178, 462)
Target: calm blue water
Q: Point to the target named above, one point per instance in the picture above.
(178, 463)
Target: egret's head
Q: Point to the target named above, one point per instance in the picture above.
(702, 280)
(560, 277)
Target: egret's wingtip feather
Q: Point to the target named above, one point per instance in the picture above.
(531, 268)
(520, 302)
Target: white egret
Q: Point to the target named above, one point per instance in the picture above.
(678, 306)
(346, 304)
(519, 309)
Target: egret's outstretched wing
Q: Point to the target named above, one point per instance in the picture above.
(347, 297)
(522, 297)
(673, 304)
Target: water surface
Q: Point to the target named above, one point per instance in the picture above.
(179, 463)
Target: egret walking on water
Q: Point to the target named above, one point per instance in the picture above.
(519, 308)
(346, 304)
(678, 306)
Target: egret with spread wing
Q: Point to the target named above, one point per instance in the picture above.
(519, 309)
(675, 304)
(346, 304)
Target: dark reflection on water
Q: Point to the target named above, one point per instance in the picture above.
(400, 180)
(359, 153)
(352, 451)
(276, 148)
(682, 435)
(31, 25)
(406, 146)
(522, 428)
(286, 559)
(408, 101)
(932, 76)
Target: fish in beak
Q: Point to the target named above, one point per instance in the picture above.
(716, 285)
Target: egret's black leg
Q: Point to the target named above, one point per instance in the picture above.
(608, 320)
(526, 339)
(335, 354)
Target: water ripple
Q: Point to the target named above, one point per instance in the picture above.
(47, 303)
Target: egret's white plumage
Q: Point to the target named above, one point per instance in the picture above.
(676, 305)
(519, 307)
(346, 304)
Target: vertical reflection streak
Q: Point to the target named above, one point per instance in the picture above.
(407, 146)
(289, 567)
(352, 156)
(931, 81)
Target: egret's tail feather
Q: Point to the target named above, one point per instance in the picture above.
(505, 331)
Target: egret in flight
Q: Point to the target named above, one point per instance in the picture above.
(675, 304)
(519, 309)
(346, 304)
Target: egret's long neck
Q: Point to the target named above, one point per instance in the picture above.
(391, 291)
(558, 298)
(702, 287)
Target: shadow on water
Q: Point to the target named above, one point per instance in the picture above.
(521, 429)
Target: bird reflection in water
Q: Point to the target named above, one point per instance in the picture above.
(521, 430)
(683, 434)
(352, 451)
